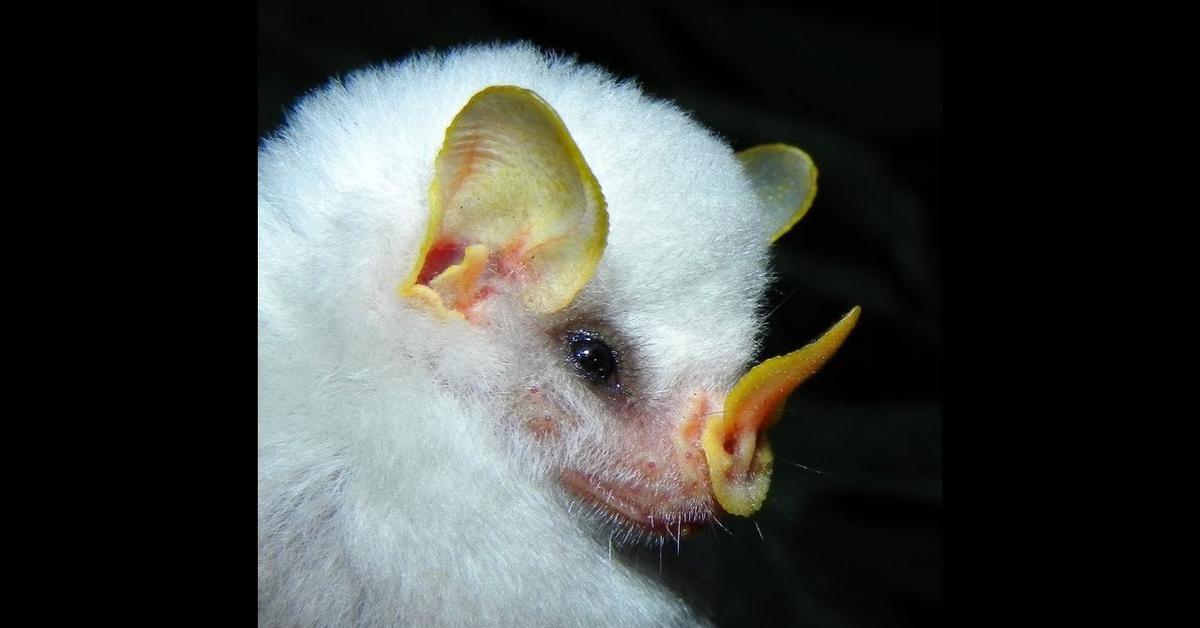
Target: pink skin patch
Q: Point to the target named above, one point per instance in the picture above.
(646, 510)
(444, 253)
(448, 251)
(509, 259)
(671, 493)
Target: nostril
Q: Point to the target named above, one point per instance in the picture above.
(741, 447)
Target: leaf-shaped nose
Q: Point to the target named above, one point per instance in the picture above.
(739, 457)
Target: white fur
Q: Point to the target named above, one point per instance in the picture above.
(393, 489)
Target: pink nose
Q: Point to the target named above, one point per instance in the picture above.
(739, 457)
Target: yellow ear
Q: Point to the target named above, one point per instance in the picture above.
(785, 179)
(512, 201)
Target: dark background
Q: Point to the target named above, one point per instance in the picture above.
(859, 86)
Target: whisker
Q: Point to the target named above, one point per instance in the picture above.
(782, 510)
(780, 304)
(805, 467)
(760, 534)
(667, 527)
(810, 469)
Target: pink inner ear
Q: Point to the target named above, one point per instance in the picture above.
(444, 253)
(513, 207)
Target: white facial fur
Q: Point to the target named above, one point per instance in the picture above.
(397, 484)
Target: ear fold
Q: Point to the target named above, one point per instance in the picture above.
(785, 180)
(512, 202)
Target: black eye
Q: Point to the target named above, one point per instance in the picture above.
(594, 360)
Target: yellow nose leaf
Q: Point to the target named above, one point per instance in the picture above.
(739, 458)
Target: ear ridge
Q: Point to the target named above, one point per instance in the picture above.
(784, 179)
(510, 180)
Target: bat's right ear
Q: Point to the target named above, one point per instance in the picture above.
(513, 206)
(785, 180)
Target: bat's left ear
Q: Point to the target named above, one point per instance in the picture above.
(785, 180)
(513, 206)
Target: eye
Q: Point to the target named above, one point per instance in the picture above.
(592, 358)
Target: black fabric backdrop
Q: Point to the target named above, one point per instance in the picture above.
(859, 86)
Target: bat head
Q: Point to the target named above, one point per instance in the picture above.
(499, 289)
(619, 286)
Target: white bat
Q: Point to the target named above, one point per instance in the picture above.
(507, 308)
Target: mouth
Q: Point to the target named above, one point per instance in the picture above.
(654, 512)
